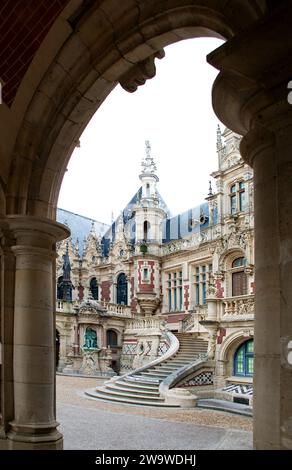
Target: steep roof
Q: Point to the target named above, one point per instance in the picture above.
(79, 225)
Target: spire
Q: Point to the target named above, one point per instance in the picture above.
(148, 165)
(219, 138)
(66, 265)
(210, 189)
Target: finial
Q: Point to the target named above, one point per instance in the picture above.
(219, 138)
(148, 165)
(148, 148)
(210, 189)
(92, 230)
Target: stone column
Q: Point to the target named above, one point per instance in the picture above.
(34, 425)
(7, 281)
(269, 151)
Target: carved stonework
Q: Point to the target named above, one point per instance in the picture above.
(140, 72)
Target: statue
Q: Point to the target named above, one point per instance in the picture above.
(90, 339)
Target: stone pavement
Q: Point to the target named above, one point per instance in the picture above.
(94, 425)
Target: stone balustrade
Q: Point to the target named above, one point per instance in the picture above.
(117, 310)
(147, 323)
(241, 306)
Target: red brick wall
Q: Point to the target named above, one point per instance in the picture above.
(222, 333)
(186, 297)
(105, 291)
(133, 301)
(23, 26)
(80, 292)
(219, 289)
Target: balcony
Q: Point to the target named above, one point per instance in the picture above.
(238, 308)
(117, 310)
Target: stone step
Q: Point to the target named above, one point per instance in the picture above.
(156, 372)
(133, 391)
(158, 377)
(130, 401)
(130, 396)
(145, 380)
(135, 385)
(141, 394)
(168, 369)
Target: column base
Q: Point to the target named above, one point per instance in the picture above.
(44, 437)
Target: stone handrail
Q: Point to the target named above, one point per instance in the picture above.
(238, 306)
(193, 319)
(173, 343)
(180, 374)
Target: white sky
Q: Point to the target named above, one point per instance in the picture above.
(174, 112)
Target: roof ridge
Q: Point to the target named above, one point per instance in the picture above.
(84, 216)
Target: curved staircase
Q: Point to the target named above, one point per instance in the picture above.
(142, 387)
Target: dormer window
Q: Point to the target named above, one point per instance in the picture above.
(237, 197)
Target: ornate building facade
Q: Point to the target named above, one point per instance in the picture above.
(120, 287)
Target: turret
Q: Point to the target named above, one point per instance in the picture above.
(148, 213)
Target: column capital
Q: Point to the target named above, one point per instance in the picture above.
(35, 231)
(255, 142)
(252, 87)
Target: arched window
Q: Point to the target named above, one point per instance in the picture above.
(238, 262)
(94, 288)
(243, 360)
(111, 338)
(146, 230)
(122, 289)
(239, 278)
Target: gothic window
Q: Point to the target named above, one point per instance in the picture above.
(175, 291)
(239, 279)
(94, 288)
(243, 359)
(122, 289)
(237, 197)
(111, 338)
(200, 280)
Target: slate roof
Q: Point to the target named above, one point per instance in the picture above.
(79, 225)
(174, 228)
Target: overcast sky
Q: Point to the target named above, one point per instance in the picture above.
(174, 112)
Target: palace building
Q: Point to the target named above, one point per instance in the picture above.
(168, 300)
(127, 292)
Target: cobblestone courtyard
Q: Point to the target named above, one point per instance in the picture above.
(88, 424)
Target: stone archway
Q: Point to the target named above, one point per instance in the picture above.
(96, 47)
